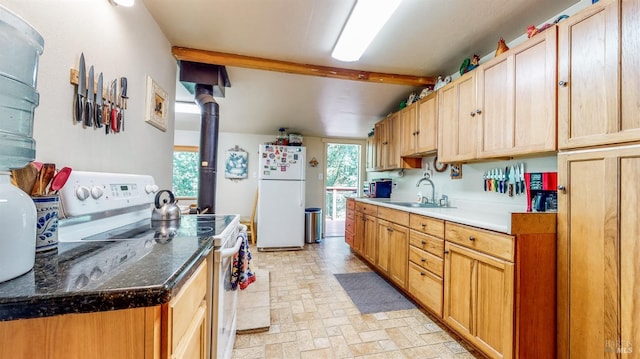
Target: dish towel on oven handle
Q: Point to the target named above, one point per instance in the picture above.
(241, 274)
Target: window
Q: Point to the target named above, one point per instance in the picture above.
(185, 171)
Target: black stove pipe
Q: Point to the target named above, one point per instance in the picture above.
(208, 147)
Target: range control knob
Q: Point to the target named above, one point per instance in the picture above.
(151, 188)
(82, 193)
(96, 192)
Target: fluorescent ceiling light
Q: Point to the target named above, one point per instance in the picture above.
(126, 3)
(187, 107)
(364, 23)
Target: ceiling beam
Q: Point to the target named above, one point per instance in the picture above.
(224, 59)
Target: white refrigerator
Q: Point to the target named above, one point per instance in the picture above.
(281, 194)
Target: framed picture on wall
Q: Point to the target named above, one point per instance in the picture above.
(156, 110)
(235, 163)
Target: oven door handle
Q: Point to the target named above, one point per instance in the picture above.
(224, 253)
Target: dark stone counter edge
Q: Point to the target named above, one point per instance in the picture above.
(106, 300)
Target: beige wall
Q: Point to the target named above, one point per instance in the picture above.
(117, 41)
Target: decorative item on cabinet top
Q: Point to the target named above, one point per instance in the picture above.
(98, 104)
(502, 47)
(532, 30)
(441, 82)
(469, 64)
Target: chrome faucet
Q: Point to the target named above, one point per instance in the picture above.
(433, 188)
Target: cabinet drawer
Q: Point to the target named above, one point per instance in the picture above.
(426, 288)
(427, 225)
(394, 215)
(349, 225)
(348, 238)
(351, 214)
(351, 203)
(426, 260)
(492, 243)
(367, 208)
(428, 243)
(184, 307)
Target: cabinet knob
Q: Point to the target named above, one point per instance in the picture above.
(422, 274)
(472, 238)
(417, 132)
(562, 188)
(472, 114)
(562, 83)
(446, 251)
(389, 229)
(424, 242)
(422, 260)
(478, 111)
(423, 225)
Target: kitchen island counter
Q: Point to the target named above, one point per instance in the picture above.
(102, 276)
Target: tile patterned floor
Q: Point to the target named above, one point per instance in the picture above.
(313, 317)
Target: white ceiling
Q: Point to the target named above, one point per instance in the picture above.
(423, 38)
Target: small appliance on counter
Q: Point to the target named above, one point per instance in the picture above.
(380, 188)
(542, 194)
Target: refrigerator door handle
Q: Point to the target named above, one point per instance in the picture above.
(302, 183)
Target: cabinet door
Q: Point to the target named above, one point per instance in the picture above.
(371, 153)
(598, 251)
(399, 255)
(427, 125)
(408, 130)
(589, 86)
(394, 131)
(478, 299)
(193, 344)
(369, 245)
(457, 124)
(495, 101)
(517, 97)
(384, 238)
(358, 235)
(381, 145)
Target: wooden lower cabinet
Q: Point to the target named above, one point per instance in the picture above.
(496, 290)
(598, 254)
(349, 223)
(178, 329)
(505, 307)
(478, 299)
(186, 319)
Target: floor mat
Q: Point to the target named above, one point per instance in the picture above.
(372, 294)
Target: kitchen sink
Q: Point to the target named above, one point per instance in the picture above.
(416, 205)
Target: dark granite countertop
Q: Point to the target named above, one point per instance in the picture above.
(101, 276)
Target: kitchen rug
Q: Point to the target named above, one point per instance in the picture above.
(372, 294)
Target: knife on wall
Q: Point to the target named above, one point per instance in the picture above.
(512, 180)
(98, 117)
(114, 107)
(88, 112)
(123, 103)
(81, 91)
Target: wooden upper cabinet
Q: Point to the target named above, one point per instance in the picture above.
(427, 124)
(419, 127)
(408, 130)
(599, 76)
(457, 123)
(371, 153)
(388, 134)
(517, 99)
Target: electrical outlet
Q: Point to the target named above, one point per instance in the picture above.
(394, 185)
(319, 176)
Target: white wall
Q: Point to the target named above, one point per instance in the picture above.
(236, 196)
(468, 190)
(117, 41)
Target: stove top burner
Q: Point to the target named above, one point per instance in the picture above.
(189, 226)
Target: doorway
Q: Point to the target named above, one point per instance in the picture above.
(342, 175)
